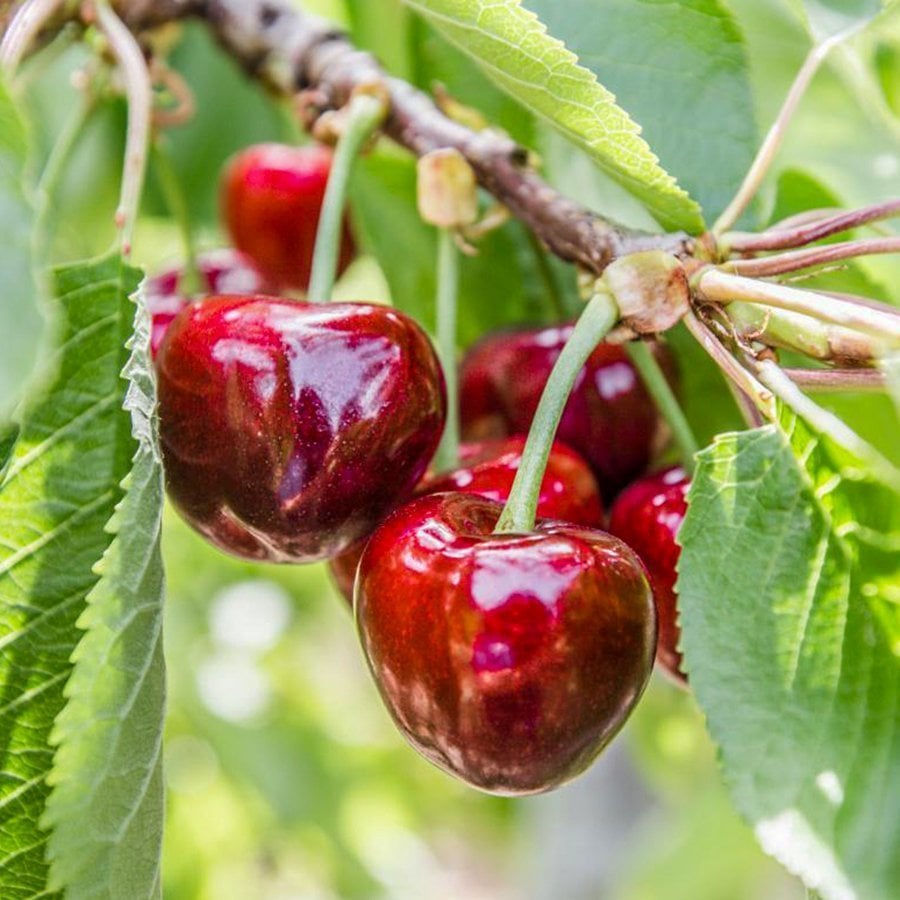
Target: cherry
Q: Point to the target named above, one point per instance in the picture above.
(508, 660)
(647, 516)
(487, 468)
(610, 418)
(290, 429)
(222, 271)
(271, 198)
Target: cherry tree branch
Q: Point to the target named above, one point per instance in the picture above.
(292, 51)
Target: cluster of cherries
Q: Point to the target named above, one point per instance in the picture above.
(296, 432)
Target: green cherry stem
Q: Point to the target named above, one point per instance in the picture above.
(447, 456)
(364, 115)
(190, 282)
(666, 402)
(595, 322)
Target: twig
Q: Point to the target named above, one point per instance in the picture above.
(290, 50)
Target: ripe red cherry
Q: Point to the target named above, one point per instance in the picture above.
(487, 468)
(647, 516)
(222, 271)
(271, 197)
(507, 660)
(289, 430)
(610, 418)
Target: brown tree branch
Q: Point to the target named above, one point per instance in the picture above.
(292, 51)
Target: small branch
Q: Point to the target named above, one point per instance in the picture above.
(864, 380)
(139, 93)
(782, 238)
(793, 261)
(722, 287)
(26, 25)
(773, 140)
(736, 374)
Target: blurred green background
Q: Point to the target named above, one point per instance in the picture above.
(286, 778)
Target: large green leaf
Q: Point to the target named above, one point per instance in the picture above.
(60, 488)
(789, 592)
(692, 96)
(106, 808)
(21, 323)
(514, 48)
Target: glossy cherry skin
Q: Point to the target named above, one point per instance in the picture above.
(609, 419)
(487, 468)
(509, 661)
(647, 516)
(271, 197)
(222, 271)
(289, 429)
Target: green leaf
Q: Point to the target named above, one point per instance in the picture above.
(59, 490)
(514, 48)
(21, 323)
(793, 649)
(694, 101)
(106, 808)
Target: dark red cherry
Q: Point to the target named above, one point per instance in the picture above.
(222, 271)
(647, 516)
(610, 418)
(487, 468)
(289, 430)
(507, 660)
(271, 198)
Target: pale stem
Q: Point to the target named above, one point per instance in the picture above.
(364, 115)
(139, 94)
(795, 260)
(660, 390)
(821, 419)
(595, 322)
(782, 238)
(773, 140)
(731, 368)
(447, 456)
(858, 380)
(722, 287)
(25, 26)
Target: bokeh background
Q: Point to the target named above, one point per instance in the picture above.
(286, 778)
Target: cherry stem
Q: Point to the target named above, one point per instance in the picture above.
(364, 114)
(783, 238)
(666, 402)
(139, 94)
(820, 419)
(773, 140)
(838, 379)
(722, 287)
(595, 322)
(22, 31)
(447, 456)
(736, 374)
(795, 260)
(189, 282)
